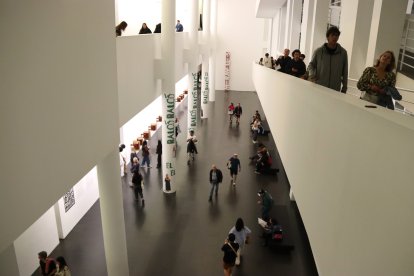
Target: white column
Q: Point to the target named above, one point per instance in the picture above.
(205, 86)
(168, 92)
(288, 25)
(112, 215)
(386, 28)
(295, 24)
(192, 65)
(356, 17)
(213, 39)
(319, 23)
(306, 28)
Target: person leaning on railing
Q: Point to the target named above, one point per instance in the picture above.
(378, 82)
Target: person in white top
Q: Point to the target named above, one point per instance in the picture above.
(242, 234)
(267, 61)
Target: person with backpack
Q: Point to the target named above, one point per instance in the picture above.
(47, 264)
(266, 201)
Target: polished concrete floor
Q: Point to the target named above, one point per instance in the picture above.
(182, 234)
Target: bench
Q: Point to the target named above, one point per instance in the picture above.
(279, 212)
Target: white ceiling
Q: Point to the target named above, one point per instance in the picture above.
(268, 8)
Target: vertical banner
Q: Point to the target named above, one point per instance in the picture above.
(227, 72)
(192, 100)
(204, 88)
(168, 137)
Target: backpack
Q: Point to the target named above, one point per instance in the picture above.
(277, 233)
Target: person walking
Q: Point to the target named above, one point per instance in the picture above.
(159, 154)
(137, 182)
(238, 112)
(230, 111)
(329, 64)
(230, 253)
(234, 166)
(242, 234)
(191, 147)
(266, 201)
(145, 155)
(216, 177)
(62, 267)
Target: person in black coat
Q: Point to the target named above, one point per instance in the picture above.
(137, 182)
(157, 29)
(216, 177)
(145, 29)
(296, 66)
(159, 153)
(283, 61)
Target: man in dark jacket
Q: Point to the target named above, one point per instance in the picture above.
(266, 201)
(283, 61)
(216, 177)
(296, 66)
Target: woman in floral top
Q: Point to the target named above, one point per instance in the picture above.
(375, 79)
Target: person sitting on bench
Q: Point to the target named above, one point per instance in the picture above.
(264, 163)
(272, 231)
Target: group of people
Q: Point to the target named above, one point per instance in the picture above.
(52, 267)
(120, 28)
(329, 67)
(235, 111)
(294, 65)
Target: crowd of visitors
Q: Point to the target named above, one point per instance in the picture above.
(329, 67)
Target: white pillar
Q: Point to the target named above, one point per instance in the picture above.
(295, 24)
(319, 24)
(288, 25)
(386, 28)
(168, 92)
(213, 39)
(112, 215)
(192, 65)
(205, 86)
(356, 16)
(306, 28)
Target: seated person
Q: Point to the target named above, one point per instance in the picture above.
(261, 149)
(263, 164)
(272, 230)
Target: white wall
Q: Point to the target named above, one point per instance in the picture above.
(350, 169)
(8, 262)
(40, 236)
(58, 116)
(137, 77)
(86, 194)
(240, 33)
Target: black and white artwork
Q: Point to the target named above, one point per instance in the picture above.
(69, 200)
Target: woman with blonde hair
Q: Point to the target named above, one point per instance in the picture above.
(378, 82)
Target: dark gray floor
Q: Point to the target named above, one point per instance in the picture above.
(182, 234)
